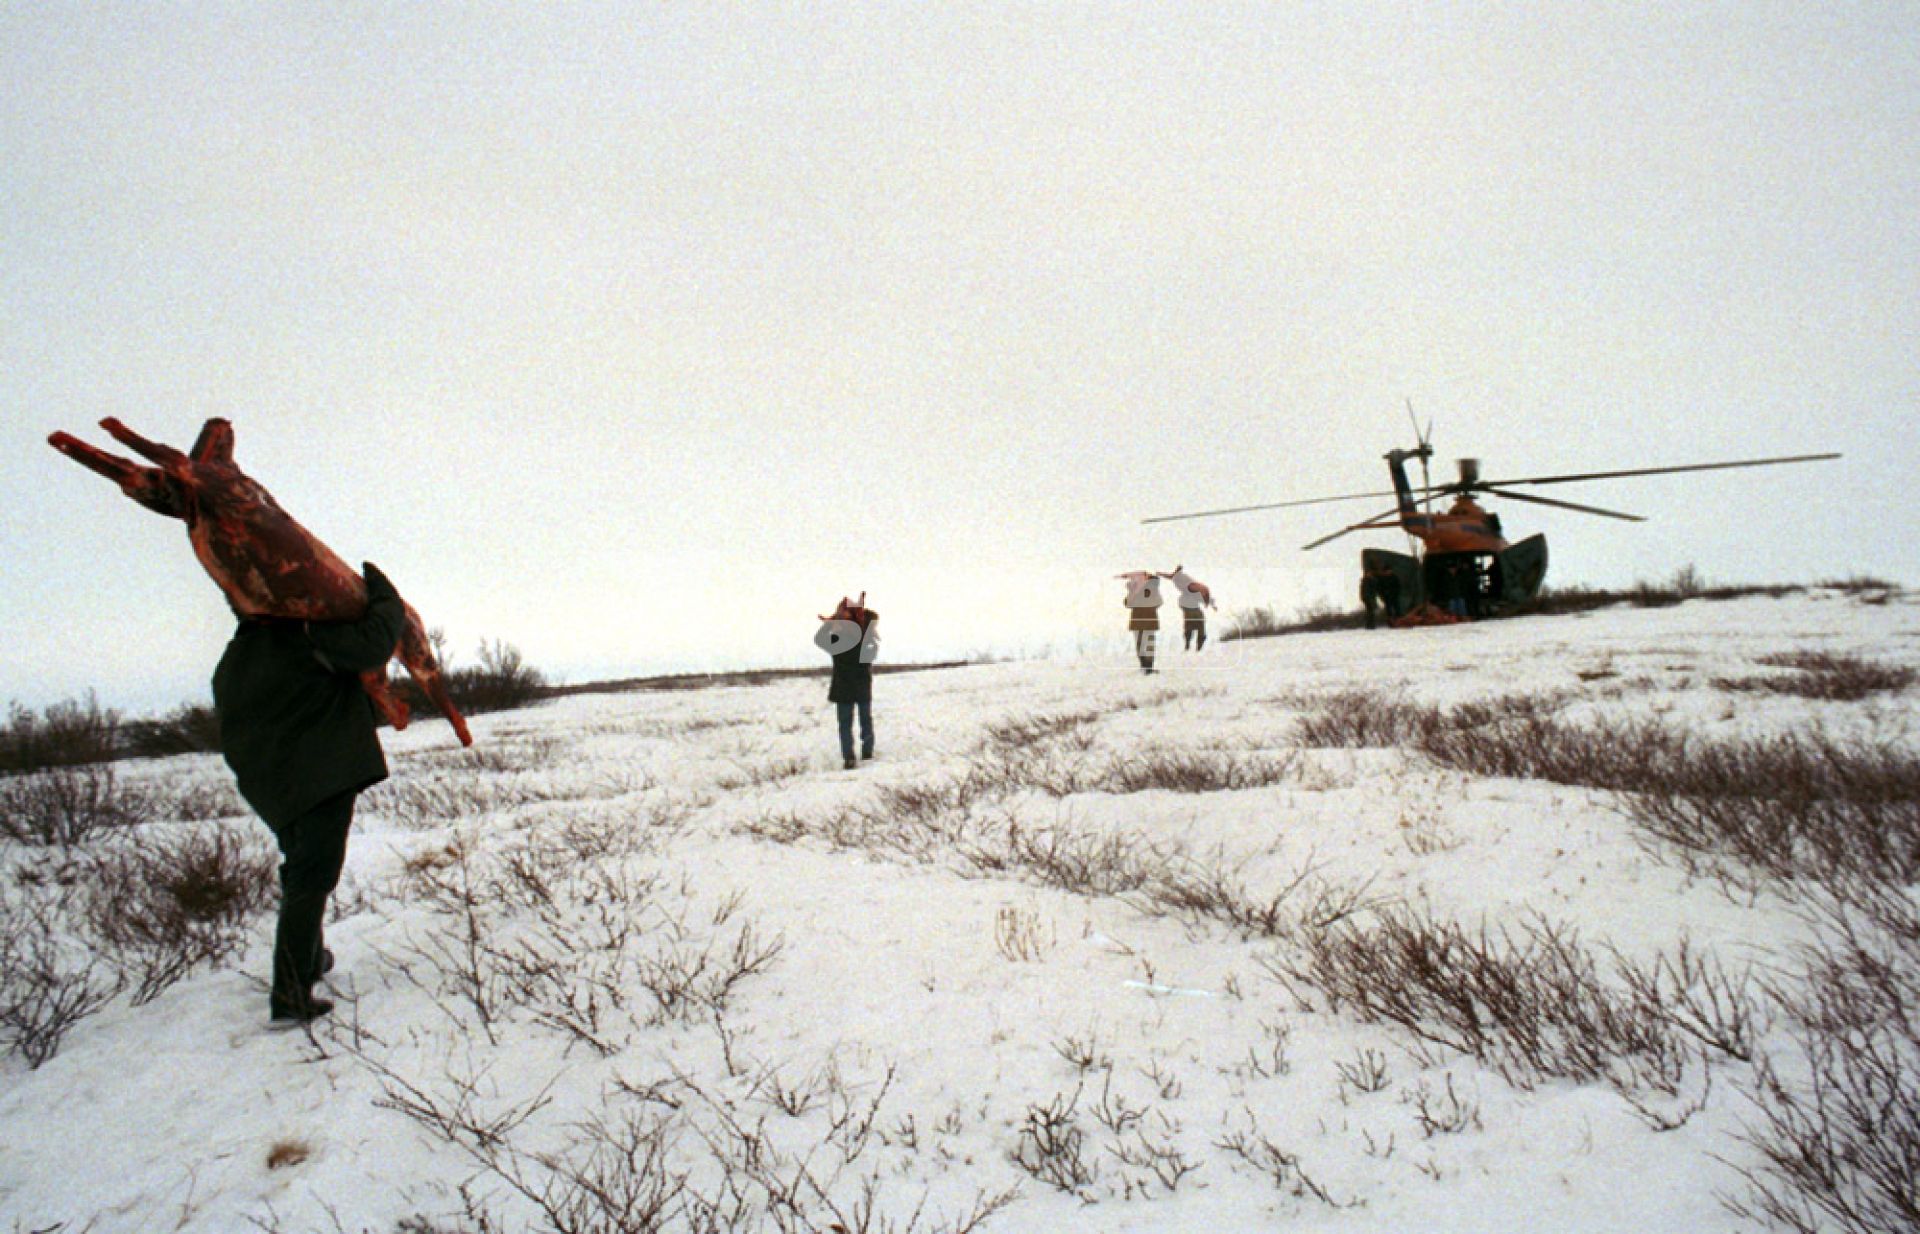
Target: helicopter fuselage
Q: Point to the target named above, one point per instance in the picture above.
(1463, 528)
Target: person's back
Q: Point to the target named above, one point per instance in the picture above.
(850, 636)
(293, 731)
(299, 733)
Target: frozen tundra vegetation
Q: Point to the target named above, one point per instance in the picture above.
(1596, 922)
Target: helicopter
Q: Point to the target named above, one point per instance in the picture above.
(1463, 566)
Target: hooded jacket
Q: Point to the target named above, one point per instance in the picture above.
(295, 725)
(852, 672)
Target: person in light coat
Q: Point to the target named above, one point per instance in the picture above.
(1143, 603)
(1195, 598)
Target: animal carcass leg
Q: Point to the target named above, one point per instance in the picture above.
(416, 652)
(385, 701)
(171, 459)
(146, 485)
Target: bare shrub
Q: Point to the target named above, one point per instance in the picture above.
(666, 1155)
(1266, 622)
(1696, 994)
(501, 681)
(762, 774)
(1832, 676)
(63, 734)
(1196, 771)
(1686, 584)
(67, 805)
(1211, 889)
(1442, 1112)
(688, 978)
(1861, 584)
(614, 1175)
(501, 754)
(1790, 805)
(163, 905)
(529, 933)
(1531, 1004)
(1367, 1073)
(1053, 1147)
(1022, 935)
(1151, 1150)
(440, 797)
(927, 802)
(1082, 859)
(1360, 719)
(1839, 1133)
(1023, 732)
(44, 992)
(202, 801)
(1276, 1164)
(1258, 622)
(190, 728)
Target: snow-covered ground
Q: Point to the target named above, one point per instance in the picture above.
(668, 930)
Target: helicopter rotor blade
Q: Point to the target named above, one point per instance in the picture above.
(1665, 471)
(1390, 518)
(1564, 505)
(1271, 505)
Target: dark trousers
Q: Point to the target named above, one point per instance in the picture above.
(315, 847)
(1196, 629)
(1145, 639)
(846, 711)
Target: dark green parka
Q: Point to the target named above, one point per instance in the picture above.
(295, 725)
(852, 668)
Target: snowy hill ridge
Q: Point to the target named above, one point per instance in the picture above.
(1541, 924)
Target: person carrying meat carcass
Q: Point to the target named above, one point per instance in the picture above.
(1194, 598)
(849, 634)
(298, 731)
(1143, 613)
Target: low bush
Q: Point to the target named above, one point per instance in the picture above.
(191, 728)
(65, 734)
(1360, 719)
(1265, 622)
(65, 806)
(501, 681)
(1816, 806)
(1530, 1004)
(44, 989)
(162, 905)
(440, 797)
(1787, 806)
(1826, 675)
(1196, 771)
(1686, 584)
(1839, 1141)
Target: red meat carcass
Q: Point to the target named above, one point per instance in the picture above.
(267, 564)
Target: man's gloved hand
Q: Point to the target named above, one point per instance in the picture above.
(378, 584)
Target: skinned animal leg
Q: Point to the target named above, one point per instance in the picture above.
(385, 701)
(170, 459)
(147, 485)
(416, 652)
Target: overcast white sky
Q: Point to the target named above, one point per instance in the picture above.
(637, 334)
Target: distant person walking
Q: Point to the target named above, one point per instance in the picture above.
(298, 731)
(849, 634)
(1194, 598)
(1143, 614)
